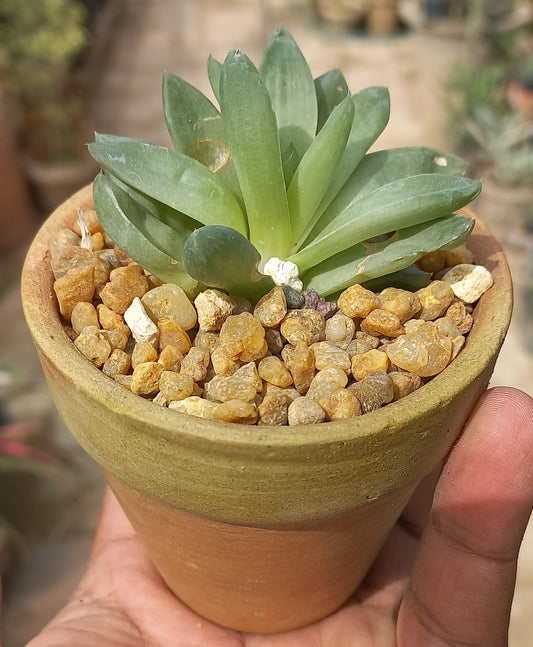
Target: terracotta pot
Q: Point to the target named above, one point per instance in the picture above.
(260, 528)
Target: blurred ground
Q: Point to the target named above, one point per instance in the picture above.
(157, 35)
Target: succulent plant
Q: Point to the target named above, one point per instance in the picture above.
(279, 170)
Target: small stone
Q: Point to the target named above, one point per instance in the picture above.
(121, 256)
(359, 346)
(272, 308)
(303, 326)
(357, 302)
(195, 364)
(171, 358)
(295, 298)
(380, 323)
(169, 301)
(458, 313)
(145, 378)
(468, 282)
(435, 298)
(274, 409)
(249, 373)
(314, 301)
(223, 389)
(76, 286)
(447, 327)
(206, 340)
(283, 272)
(326, 382)
(108, 318)
(119, 363)
(141, 326)
(195, 406)
(340, 330)
(77, 257)
(123, 380)
(144, 351)
(61, 240)
(327, 354)
(402, 303)
(240, 304)
(242, 336)
(92, 343)
(404, 384)
(118, 337)
(273, 370)
(173, 334)
(301, 363)
(222, 363)
(237, 411)
(175, 386)
(304, 411)
(458, 255)
(97, 242)
(271, 389)
(433, 261)
(213, 308)
(425, 352)
(341, 405)
(364, 336)
(125, 285)
(374, 391)
(274, 341)
(84, 314)
(365, 363)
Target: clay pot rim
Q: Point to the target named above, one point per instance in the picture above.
(490, 325)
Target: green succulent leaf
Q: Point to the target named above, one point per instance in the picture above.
(318, 165)
(290, 161)
(403, 203)
(371, 115)
(152, 243)
(222, 258)
(214, 69)
(331, 88)
(411, 278)
(172, 178)
(383, 167)
(196, 129)
(367, 261)
(289, 82)
(252, 133)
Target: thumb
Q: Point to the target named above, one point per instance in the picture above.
(463, 579)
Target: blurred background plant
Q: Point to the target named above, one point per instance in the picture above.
(489, 97)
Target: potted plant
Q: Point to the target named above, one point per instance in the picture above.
(268, 528)
(48, 111)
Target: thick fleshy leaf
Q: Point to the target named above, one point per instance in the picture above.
(290, 161)
(383, 167)
(371, 115)
(252, 133)
(196, 129)
(331, 88)
(314, 173)
(404, 203)
(214, 69)
(289, 81)
(172, 178)
(220, 257)
(152, 243)
(410, 278)
(364, 262)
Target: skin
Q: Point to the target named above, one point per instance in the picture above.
(445, 577)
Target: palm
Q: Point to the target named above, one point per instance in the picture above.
(468, 553)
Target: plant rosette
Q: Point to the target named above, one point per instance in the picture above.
(268, 528)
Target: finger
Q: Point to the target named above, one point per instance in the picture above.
(113, 524)
(463, 579)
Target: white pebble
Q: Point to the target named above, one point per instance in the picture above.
(468, 282)
(283, 273)
(141, 326)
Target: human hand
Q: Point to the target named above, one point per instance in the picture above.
(444, 578)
